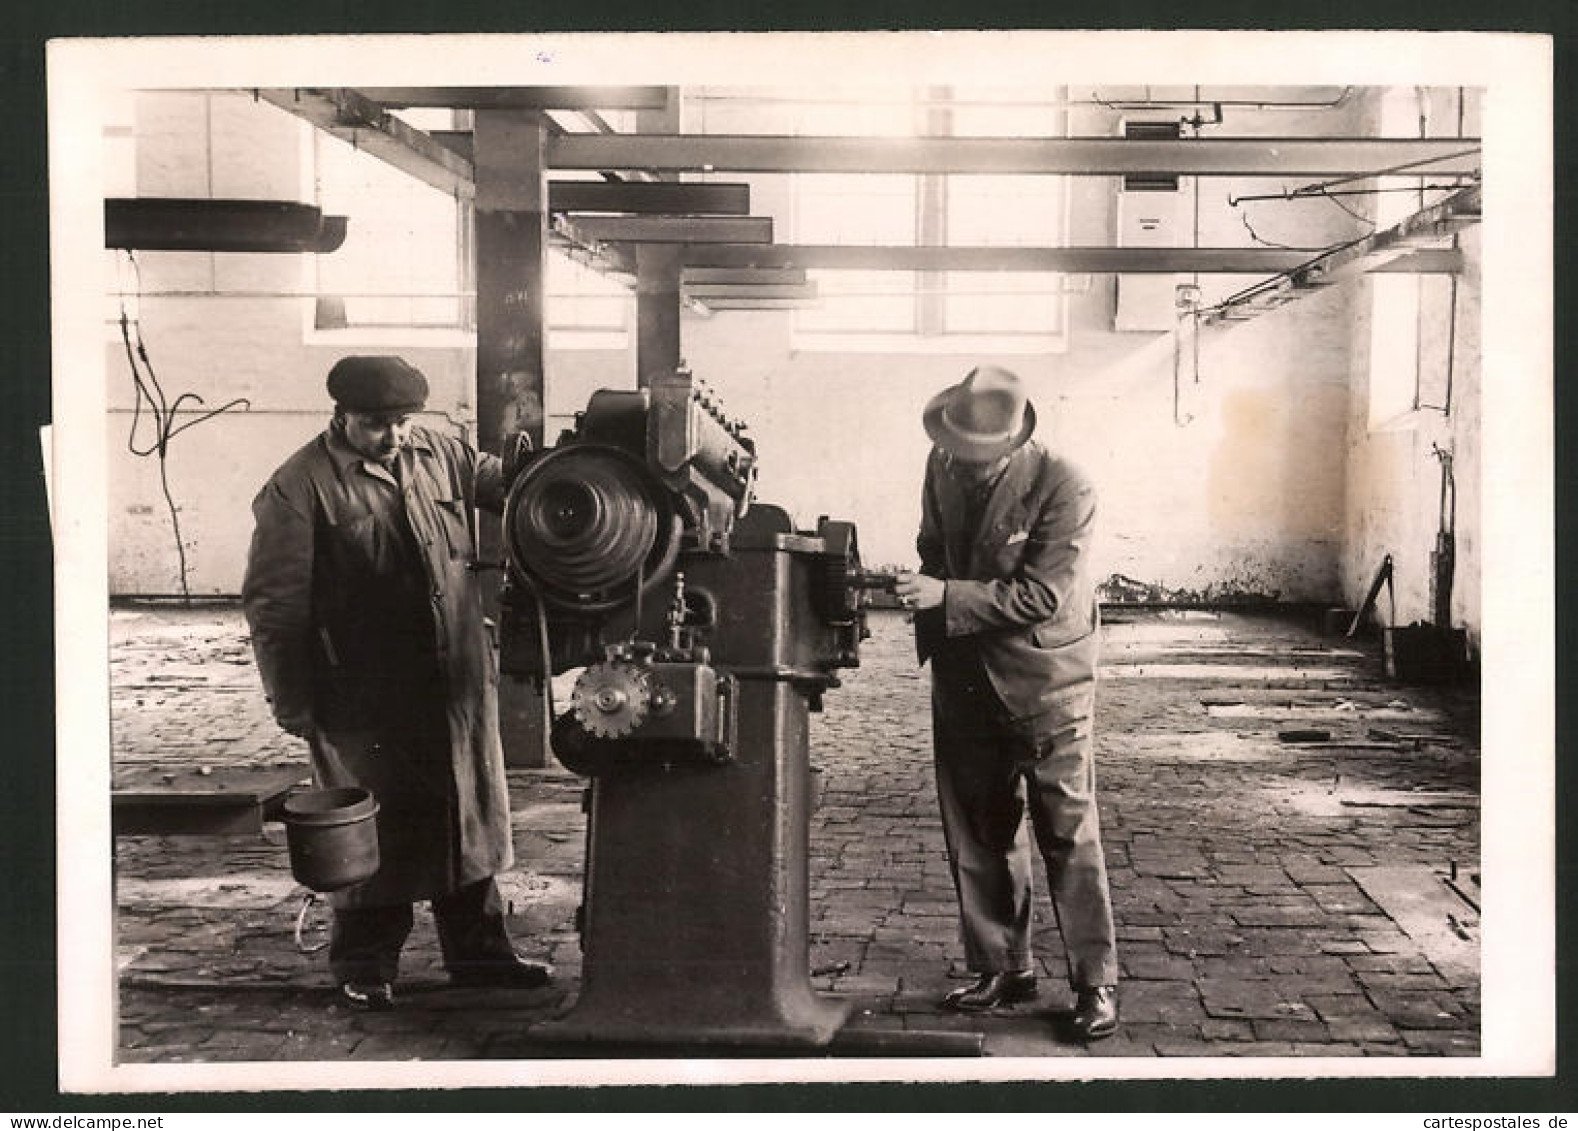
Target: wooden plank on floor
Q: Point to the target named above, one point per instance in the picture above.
(1239, 673)
(1349, 712)
(1427, 910)
(185, 801)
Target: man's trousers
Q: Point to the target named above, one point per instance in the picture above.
(990, 768)
(365, 942)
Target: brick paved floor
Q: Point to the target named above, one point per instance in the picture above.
(1274, 899)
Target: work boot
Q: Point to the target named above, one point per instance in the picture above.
(375, 997)
(1095, 1013)
(992, 990)
(514, 971)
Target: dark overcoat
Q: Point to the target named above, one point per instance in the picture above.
(363, 600)
(1019, 585)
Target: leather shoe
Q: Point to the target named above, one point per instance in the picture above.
(992, 990)
(376, 997)
(514, 972)
(1095, 1013)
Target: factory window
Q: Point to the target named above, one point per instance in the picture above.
(858, 208)
(402, 274)
(1002, 211)
(904, 310)
(1412, 317)
(405, 274)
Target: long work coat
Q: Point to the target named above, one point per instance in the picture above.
(366, 615)
(1019, 584)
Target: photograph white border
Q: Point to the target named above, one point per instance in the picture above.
(1518, 800)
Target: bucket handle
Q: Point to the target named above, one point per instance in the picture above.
(301, 920)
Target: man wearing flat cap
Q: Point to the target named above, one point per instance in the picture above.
(1006, 614)
(361, 592)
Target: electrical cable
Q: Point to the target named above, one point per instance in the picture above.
(1258, 238)
(1315, 192)
(163, 413)
(1396, 170)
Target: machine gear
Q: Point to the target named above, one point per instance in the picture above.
(840, 572)
(612, 697)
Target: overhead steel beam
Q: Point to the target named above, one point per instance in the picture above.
(1068, 260)
(1206, 157)
(521, 97)
(359, 121)
(1072, 260)
(1431, 261)
(1437, 222)
(459, 142)
(787, 263)
(666, 229)
(651, 197)
(613, 261)
(708, 292)
(739, 275)
(723, 304)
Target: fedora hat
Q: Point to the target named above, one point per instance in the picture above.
(982, 417)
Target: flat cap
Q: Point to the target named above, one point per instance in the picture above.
(377, 384)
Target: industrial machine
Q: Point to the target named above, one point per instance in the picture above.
(707, 628)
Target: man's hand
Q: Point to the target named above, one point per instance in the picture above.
(917, 591)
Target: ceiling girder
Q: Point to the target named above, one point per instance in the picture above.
(765, 262)
(759, 303)
(1206, 157)
(354, 118)
(521, 97)
(1436, 222)
(651, 197)
(708, 292)
(744, 274)
(1374, 252)
(1424, 261)
(1072, 260)
(668, 229)
(364, 122)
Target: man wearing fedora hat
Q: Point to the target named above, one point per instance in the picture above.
(1006, 614)
(366, 614)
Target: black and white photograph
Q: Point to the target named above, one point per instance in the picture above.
(707, 558)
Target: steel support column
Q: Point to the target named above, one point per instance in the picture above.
(658, 269)
(512, 248)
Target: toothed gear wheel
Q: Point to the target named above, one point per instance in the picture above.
(611, 698)
(839, 600)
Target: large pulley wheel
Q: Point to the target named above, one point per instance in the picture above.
(586, 525)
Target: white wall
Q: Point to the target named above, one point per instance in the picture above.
(1394, 483)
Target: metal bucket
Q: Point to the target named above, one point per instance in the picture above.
(332, 837)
